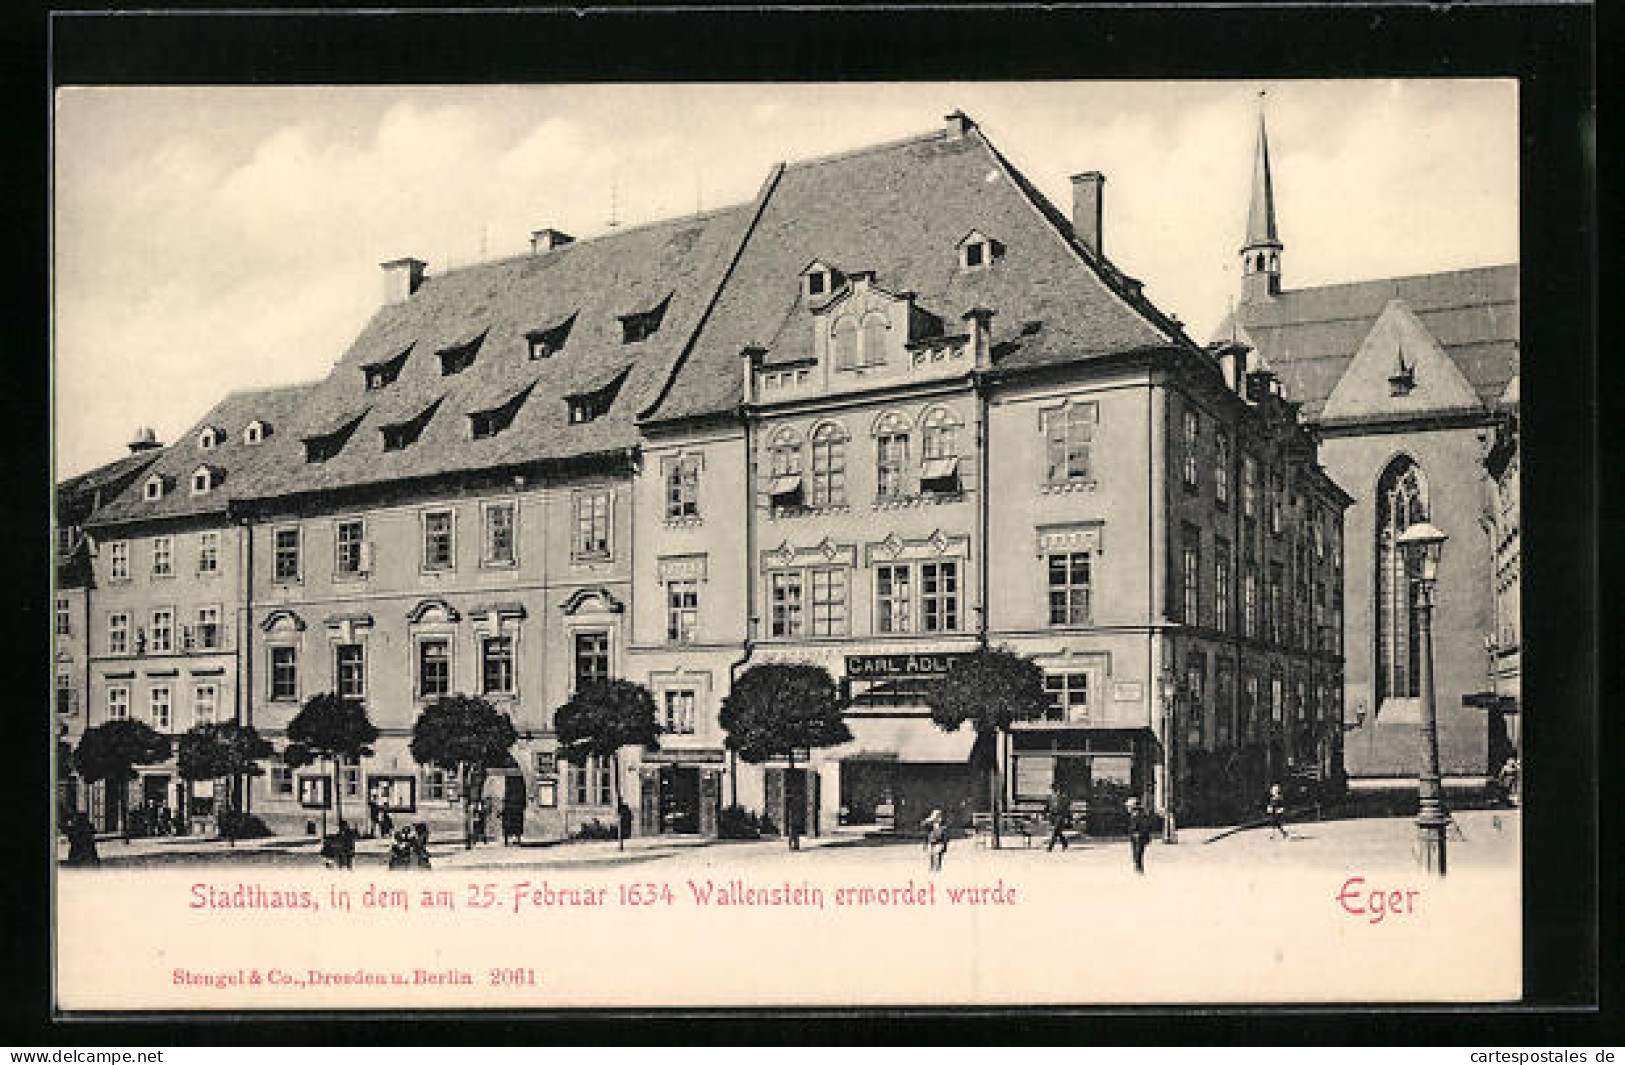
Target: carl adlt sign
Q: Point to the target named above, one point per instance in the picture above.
(934, 664)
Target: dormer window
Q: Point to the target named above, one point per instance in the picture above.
(456, 360)
(545, 343)
(819, 279)
(399, 435)
(641, 325)
(977, 250)
(256, 431)
(589, 406)
(319, 447)
(490, 422)
(153, 490)
(209, 438)
(202, 480)
(382, 374)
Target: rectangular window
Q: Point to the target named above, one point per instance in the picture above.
(441, 786)
(1069, 588)
(1221, 468)
(161, 639)
(347, 548)
(1222, 695)
(828, 470)
(1221, 585)
(1192, 438)
(1249, 487)
(118, 633)
(591, 524)
(683, 488)
(829, 601)
(682, 610)
(591, 658)
(891, 466)
(590, 784)
(1191, 577)
(158, 707)
(496, 665)
(350, 779)
(939, 596)
(1274, 616)
(434, 667)
(351, 670)
(205, 704)
(499, 535)
(1068, 697)
(894, 598)
(1277, 699)
(64, 616)
(286, 555)
(1249, 603)
(163, 556)
(208, 552)
(284, 673)
(785, 603)
(281, 779)
(1277, 500)
(207, 631)
(1196, 697)
(438, 533)
(118, 703)
(118, 560)
(1069, 435)
(677, 705)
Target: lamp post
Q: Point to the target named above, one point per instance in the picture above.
(1168, 682)
(1422, 545)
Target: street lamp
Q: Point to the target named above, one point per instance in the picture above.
(1168, 683)
(1422, 545)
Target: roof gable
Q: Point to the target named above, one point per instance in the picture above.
(1399, 370)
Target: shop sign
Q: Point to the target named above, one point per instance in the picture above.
(927, 664)
(684, 757)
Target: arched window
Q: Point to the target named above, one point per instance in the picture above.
(875, 328)
(829, 466)
(845, 337)
(891, 457)
(1402, 501)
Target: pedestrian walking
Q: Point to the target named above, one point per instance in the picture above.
(513, 823)
(344, 846)
(420, 846)
(386, 824)
(403, 849)
(1139, 833)
(1275, 810)
(1060, 819)
(936, 840)
(373, 810)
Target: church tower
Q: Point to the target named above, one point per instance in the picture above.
(1261, 254)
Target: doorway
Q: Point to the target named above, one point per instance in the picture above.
(679, 800)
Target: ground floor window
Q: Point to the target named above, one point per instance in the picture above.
(591, 783)
(677, 705)
(1105, 779)
(281, 780)
(440, 785)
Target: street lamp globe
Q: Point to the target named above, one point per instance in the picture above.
(1422, 545)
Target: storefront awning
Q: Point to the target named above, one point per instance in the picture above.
(787, 485)
(940, 469)
(914, 739)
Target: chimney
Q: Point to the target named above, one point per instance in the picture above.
(980, 319)
(547, 239)
(402, 278)
(1088, 199)
(145, 440)
(959, 124)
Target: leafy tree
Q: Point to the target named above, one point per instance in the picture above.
(989, 688)
(111, 751)
(600, 719)
(465, 735)
(777, 708)
(331, 727)
(224, 750)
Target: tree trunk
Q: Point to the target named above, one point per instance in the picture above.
(995, 793)
(615, 781)
(338, 794)
(465, 781)
(789, 822)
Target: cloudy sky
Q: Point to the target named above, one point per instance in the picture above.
(213, 239)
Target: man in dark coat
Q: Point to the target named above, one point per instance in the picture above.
(1139, 833)
(1059, 811)
(82, 842)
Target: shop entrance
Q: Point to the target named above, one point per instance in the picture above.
(679, 800)
(900, 795)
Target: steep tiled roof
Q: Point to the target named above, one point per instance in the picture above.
(239, 466)
(1308, 336)
(77, 495)
(595, 281)
(900, 210)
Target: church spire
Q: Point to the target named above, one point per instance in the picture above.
(1261, 255)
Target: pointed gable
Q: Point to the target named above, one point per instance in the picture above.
(1399, 370)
